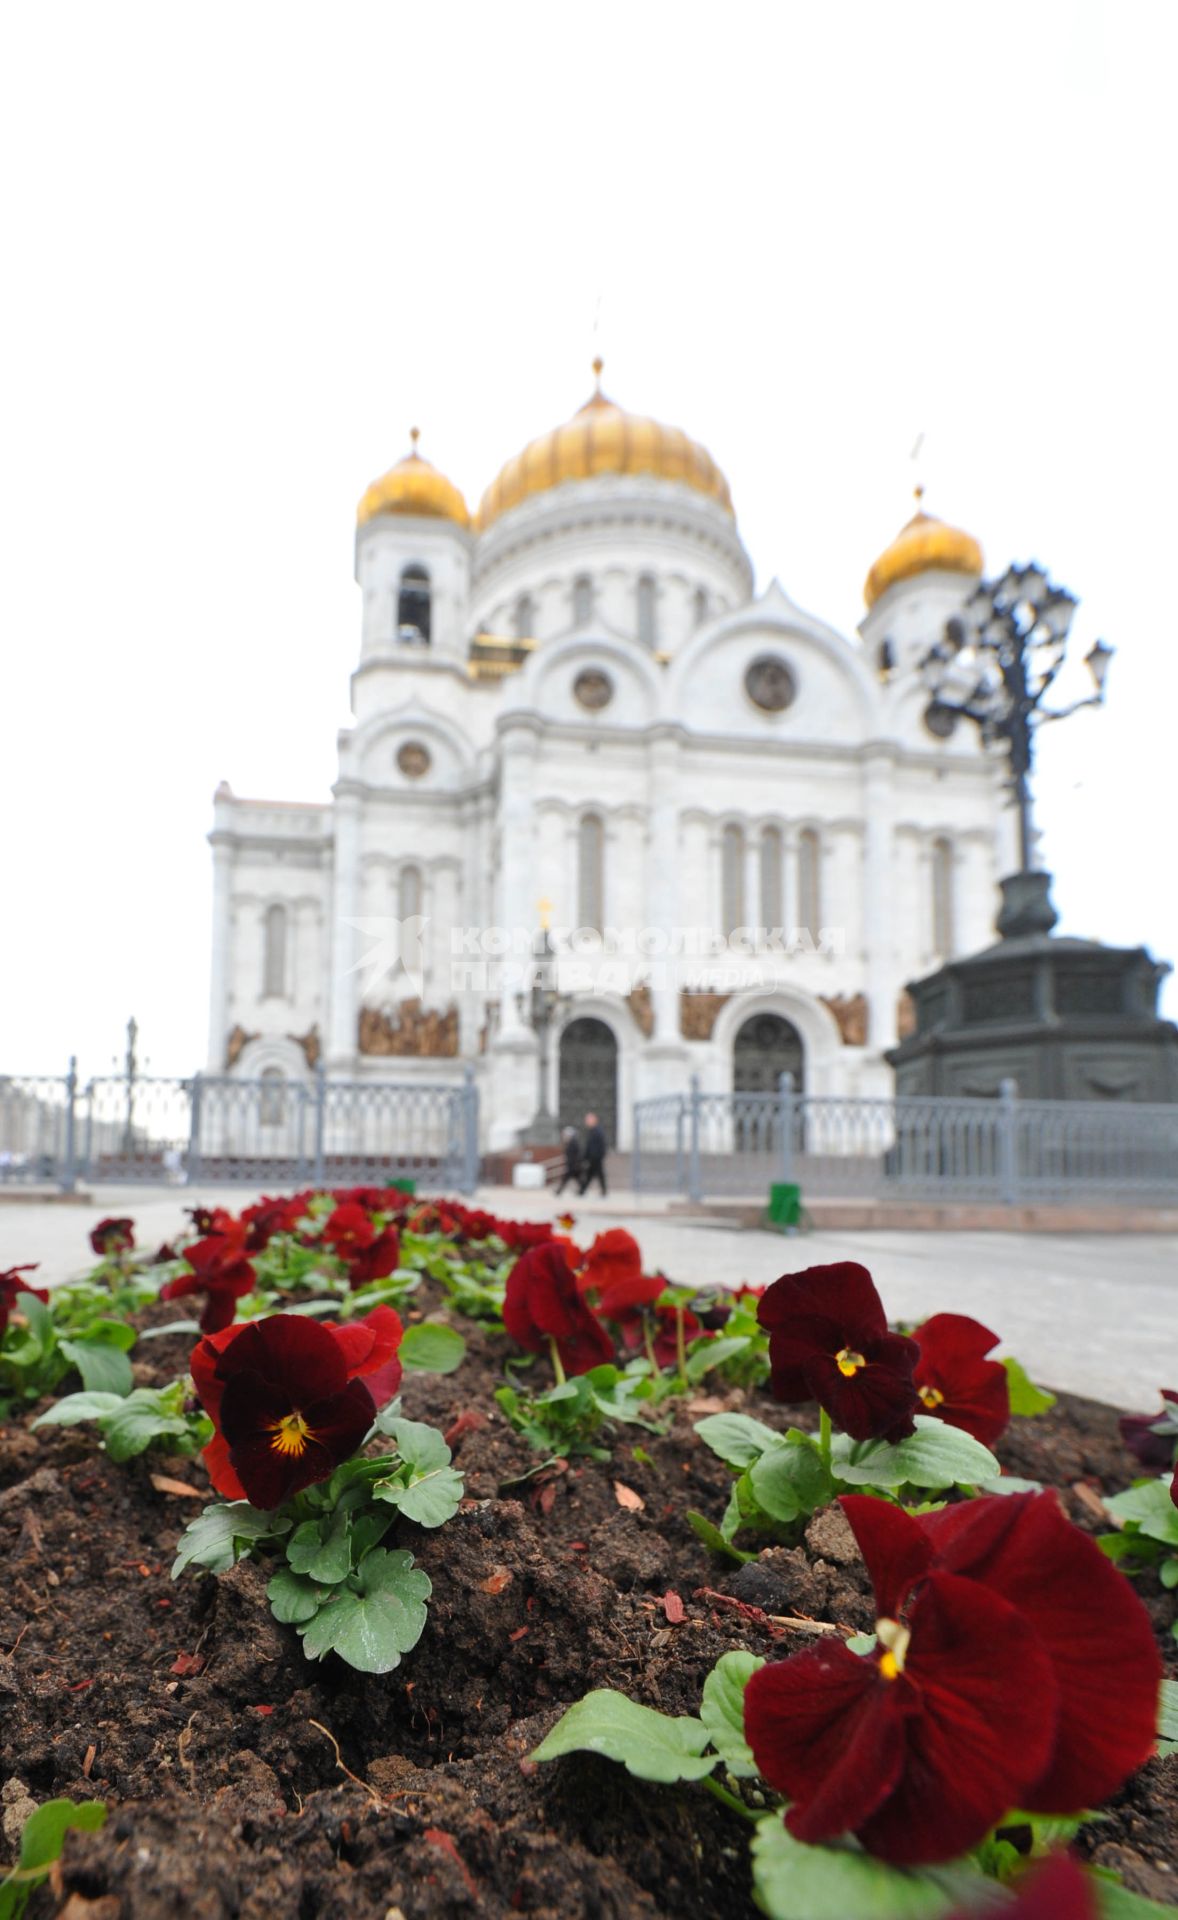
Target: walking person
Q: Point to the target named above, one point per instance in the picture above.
(572, 1159)
(596, 1148)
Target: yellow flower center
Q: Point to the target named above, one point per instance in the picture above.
(932, 1397)
(848, 1362)
(291, 1434)
(893, 1638)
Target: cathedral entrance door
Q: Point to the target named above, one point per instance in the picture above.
(589, 1076)
(766, 1046)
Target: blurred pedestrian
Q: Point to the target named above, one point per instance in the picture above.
(572, 1159)
(596, 1148)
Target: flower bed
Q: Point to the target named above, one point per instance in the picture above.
(598, 1544)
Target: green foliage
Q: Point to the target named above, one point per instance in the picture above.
(374, 1616)
(740, 1356)
(424, 1486)
(429, 1347)
(41, 1842)
(1025, 1397)
(736, 1437)
(936, 1455)
(129, 1425)
(792, 1881)
(568, 1418)
(650, 1745)
(722, 1711)
(225, 1533)
(1149, 1531)
(47, 1342)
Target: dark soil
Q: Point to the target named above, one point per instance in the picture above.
(197, 1718)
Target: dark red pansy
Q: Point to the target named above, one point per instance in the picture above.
(10, 1285)
(113, 1236)
(829, 1341)
(1153, 1437)
(208, 1220)
(377, 1260)
(269, 1217)
(919, 1748)
(1058, 1890)
(613, 1267)
(369, 1347)
(954, 1379)
(1074, 1605)
(349, 1229)
(219, 1269)
(286, 1411)
(541, 1303)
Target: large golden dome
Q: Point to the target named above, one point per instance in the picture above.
(602, 438)
(925, 545)
(413, 486)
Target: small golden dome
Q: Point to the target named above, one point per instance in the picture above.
(602, 438)
(925, 545)
(413, 486)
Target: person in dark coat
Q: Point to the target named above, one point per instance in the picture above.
(596, 1148)
(572, 1159)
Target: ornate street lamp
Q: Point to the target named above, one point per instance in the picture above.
(995, 665)
(540, 1006)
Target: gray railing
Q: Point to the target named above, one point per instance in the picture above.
(211, 1128)
(1004, 1151)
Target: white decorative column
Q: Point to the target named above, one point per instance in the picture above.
(878, 889)
(219, 984)
(511, 1084)
(662, 1058)
(342, 1037)
(753, 916)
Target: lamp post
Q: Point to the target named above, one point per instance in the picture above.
(995, 665)
(540, 1006)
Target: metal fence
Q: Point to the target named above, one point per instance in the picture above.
(267, 1132)
(1004, 1151)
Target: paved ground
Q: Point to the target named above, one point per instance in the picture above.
(1094, 1313)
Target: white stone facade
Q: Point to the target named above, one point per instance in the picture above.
(476, 784)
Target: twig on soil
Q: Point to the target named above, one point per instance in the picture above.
(354, 1777)
(20, 1636)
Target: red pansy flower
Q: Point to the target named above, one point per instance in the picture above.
(113, 1236)
(1074, 1603)
(11, 1285)
(954, 1379)
(220, 1269)
(566, 1222)
(208, 1220)
(829, 1341)
(291, 1399)
(377, 1260)
(1153, 1437)
(349, 1229)
(542, 1304)
(1058, 1890)
(268, 1217)
(613, 1270)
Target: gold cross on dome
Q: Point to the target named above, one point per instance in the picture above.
(544, 909)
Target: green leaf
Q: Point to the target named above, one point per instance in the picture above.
(293, 1598)
(322, 1549)
(1168, 1573)
(712, 1353)
(736, 1437)
(430, 1348)
(650, 1745)
(714, 1539)
(1150, 1505)
(419, 1445)
(430, 1499)
(1115, 1902)
(376, 1618)
(1025, 1397)
(40, 1321)
(223, 1534)
(936, 1455)
(1168, 1710)
(108, 1333)
(789, 1478)
(173, 1326)
(722, 1711)
(41, 1842)
(104, 1369)
(795, 1882)
(73, 1407)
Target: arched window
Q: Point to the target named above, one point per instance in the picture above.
(809, 882)
(647, 611)
(525, 617)
(943, 898)
(732, 879)
(274, 951)
(413, 605)
(700, 605)
(272, 1101)
(591, 873)
(772, 876)
(582, 600)
(409, 892)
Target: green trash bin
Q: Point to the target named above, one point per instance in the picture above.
(406, 1186)
(785, 1204)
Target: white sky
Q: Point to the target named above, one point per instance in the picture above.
(247, 246)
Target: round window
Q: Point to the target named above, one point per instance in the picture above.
(413, 759)
(593, 689)
(770, 684)
(941, 721)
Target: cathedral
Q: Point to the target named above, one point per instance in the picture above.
(590, 761)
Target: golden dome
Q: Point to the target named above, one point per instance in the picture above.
(413, 486)
(925, 545)
(602, 438)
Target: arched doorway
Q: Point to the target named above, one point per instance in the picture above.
(589, 1076)
(767, 1046)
